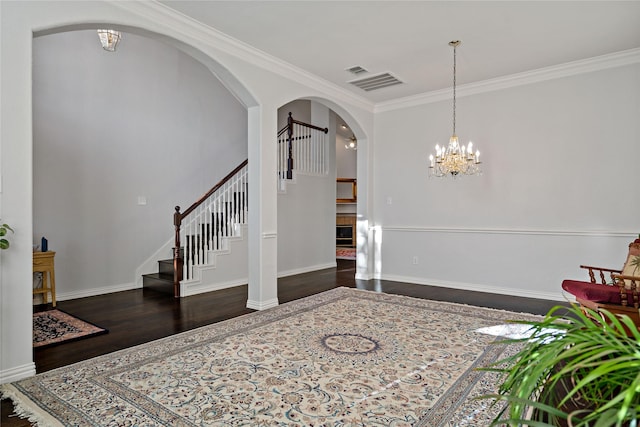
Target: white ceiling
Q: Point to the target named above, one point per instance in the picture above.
(410, 38)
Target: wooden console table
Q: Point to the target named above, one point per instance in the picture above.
(43, 263)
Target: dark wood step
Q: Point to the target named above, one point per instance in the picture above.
(160, 282)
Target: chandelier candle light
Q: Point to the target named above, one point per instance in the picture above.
(454, 159)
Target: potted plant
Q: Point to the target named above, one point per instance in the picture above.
(575, 369)
(4, 243)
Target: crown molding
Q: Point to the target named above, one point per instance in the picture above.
(190, 28)
(603, 62)
(193, 29)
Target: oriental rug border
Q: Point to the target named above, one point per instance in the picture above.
(345, 357)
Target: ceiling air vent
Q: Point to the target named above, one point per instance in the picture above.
(356, 69)
(376, 82)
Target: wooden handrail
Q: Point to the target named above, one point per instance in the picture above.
(215, 188)
(177, 223)
(325, 130)
(290, 138)
(284, 129)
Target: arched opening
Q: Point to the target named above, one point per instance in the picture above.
(119, 139)
(315, 224)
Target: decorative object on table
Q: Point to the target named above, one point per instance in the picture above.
(342, 357)
(575, 369)
(4, 242)
(44, 244)
(454, 160)
(56, 327)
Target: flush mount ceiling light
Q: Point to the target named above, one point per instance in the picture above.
(454, 160)
(109, 39)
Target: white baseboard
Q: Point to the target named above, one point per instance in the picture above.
(196, 287)
(257, 305)
(96, 291)
(189, 289)
(306, 269)
(17, 373)
(552, 296)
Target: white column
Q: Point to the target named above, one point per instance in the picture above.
(16, 278)
(263, 208)
(368, 241)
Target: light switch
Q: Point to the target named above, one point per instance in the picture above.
(142, 200)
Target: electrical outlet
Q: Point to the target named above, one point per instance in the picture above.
(415, 260)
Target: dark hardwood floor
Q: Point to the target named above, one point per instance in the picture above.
(139, 316)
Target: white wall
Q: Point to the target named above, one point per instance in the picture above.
(560, 171)
(147, 120)
(306, 226)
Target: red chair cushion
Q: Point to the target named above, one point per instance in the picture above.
(593, 291)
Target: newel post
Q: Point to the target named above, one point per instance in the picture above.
(290, 146)
(177, 256)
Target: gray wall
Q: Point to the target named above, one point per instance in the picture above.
(148, 121)
(559, 185)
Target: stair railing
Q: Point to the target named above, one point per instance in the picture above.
(303, 146)
(205, 223)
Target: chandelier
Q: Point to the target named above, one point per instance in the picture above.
(109, 39)
(455, 159)
(352, 144)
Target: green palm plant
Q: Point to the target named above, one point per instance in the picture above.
(4, 243)
(573, 371)
(635, 262)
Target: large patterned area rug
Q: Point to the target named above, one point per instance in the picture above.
(55, 327)
(345, 357)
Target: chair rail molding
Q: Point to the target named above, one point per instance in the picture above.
(522, 231)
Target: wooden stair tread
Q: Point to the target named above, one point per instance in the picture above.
(159, 276)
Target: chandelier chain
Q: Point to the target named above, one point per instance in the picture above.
(454, 89)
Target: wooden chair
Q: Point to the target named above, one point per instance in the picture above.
(619, 296)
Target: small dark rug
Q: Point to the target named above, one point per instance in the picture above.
(55, 327)
(346, 253)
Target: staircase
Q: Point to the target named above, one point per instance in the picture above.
(162, 281)
(208, 228)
